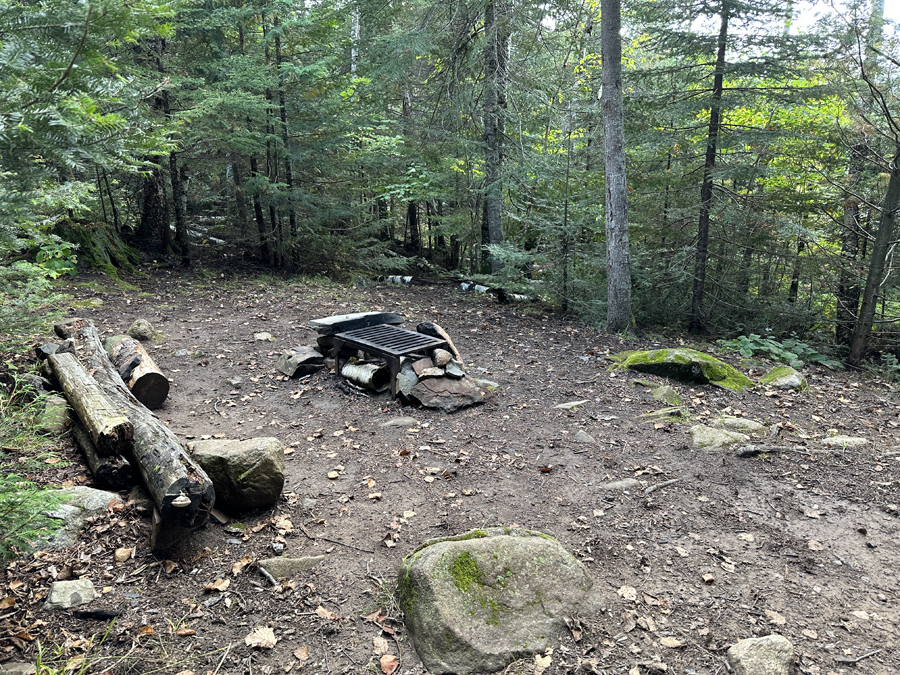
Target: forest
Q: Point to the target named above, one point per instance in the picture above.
(755, 143)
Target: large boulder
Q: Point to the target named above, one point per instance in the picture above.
(447, 394)
(340, 323)
(477, 602)
(246, 474)
(770, 655)
(687, 365)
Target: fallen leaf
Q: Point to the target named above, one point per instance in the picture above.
(389, 664)
(301, 653)
(169, 566)
(681, 552)
(745, 536)
(375, 495)
(811, 634)
(333, 475)
(325, 614)
(262, 637)
(240, 565)
(816, 545)
(146, 630)
(671, 642)
(628, 593)
(184, 672)
(218, 585)
(709, 578)
(7, 602)
(775, 617)
(185, 632)
(409, 514)
(541, 663)
(860, 614)
(629, 621)
(380, 645)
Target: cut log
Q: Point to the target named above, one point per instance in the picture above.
(181, 490)
(110, 473)
(138, 370)
(368, 375)
(110, 430)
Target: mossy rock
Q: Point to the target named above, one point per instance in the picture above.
(667, 394)
(101, 247)
(785, 377)
(687, 365)
(477, 602)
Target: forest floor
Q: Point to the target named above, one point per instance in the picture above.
(802, 543)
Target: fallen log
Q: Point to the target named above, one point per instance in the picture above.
(110, 473)
(138, 370)
(181, 490)
(368, 375)
(110, 430)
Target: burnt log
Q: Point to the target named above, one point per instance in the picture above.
(110, 430)
(110, 473)
(181, 490)
(138, 370)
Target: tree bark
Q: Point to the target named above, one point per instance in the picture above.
(181, 490)
(110, 473)
(109, 429)
(706, 189)
(618, 258)
(848, 281)
(875, 277)
(138, 370)
(288, 169)
(493, 141)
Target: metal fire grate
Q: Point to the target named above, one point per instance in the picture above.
(389, 340)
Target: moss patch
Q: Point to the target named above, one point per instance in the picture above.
(687, 365)
(465, 572)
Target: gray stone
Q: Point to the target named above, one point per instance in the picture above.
(421, 365)
(584, 437)
(624, 484)
(434, 330)
(263, 337)
(446, 394)
(66, 594)
(740, 424)
(843, 442)
(299, 361)
(667, 394)
(431, 372)
(17, 669)
(406, 378)
(309, 503)
(192, 353)
(571, 405)
(400, 422)
(490, 385)
(712, 439)
(281, 568)
(341, 323)
(673, 414)
(770, 655)
(54, 418)
(453, 370)
(477, 602)
(35, 386)
(687, 365)
(143, 331)
(43, 352)
(784, 377)
(245, 474)
(441, 357)
(78, 504)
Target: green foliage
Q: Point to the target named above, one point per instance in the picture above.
(887, 367)
(57, 258)
(791, 350)
(23, 514)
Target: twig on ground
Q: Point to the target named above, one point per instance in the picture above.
(268, 576)
(855, 659)
(334, 541)
(660, 486)
(222, 660)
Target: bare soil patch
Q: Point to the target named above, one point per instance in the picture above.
(802, 543)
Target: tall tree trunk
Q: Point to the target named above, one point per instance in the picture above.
(240, 199)
(112, 203)
(153, 227)
(265, 252)
(288, 169)
(848, 281)
(875, 276)
(706, 189)
(618, 258)
(412, 222)
(493, 84)
(795, 275)
(181, 236)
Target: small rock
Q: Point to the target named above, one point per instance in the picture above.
(672, 414)
(422, 365)
(844, 442)
(309, 503)
(441, 357)
(400, 422)
(454, 370)
(263, 337)
(79, 504)
(712, 439)
(54, 418)
(570, 405)
(66, 594)
(490, 385)
(584, 437)
(17, 668)
(784, 377)
(625, 484)
(431, 372)
(406, 378)
(281, 568)
(277, 548)
(235, 382)
(143, 331)
(770, 655)
(667, 394)
(434, 330)
(42, 352)
(740, 424)
(246, 474)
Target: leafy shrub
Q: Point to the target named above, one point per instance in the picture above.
(23, 514)
(792, 351)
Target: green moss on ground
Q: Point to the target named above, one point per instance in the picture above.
(687, 365)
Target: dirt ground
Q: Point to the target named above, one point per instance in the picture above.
(801, 543)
